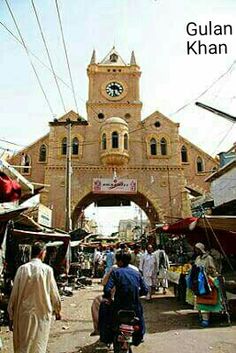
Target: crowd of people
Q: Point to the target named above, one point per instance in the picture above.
(153, 265)
(127, 275)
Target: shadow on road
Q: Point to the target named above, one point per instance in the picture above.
(92, 348)
(167, 313)
(162, 314)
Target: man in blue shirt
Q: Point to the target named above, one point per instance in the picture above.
(129, 286)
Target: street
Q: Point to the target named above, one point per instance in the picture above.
(171, 327)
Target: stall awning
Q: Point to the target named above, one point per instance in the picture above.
(225, 223)
(11, 213)
(31, 236)
(217, 232)
(181, 225)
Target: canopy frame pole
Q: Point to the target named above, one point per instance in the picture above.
(218, 242)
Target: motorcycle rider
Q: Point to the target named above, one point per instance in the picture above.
(129, 286)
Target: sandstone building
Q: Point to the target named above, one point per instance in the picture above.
(156, 167)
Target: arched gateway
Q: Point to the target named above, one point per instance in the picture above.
(149, 207)
(153, 164)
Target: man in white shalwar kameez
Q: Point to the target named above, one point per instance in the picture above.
(34, 298)
(148, 268)
(162, 268)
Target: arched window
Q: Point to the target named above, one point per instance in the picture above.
(163, 147)
(115, 140)
(184, 154)
(64, 146)
(75, 146)
(200, 167)
(113, 58)
(42, 153)
(125, 141)
(26, 163)
(104, 142)
(153, 147)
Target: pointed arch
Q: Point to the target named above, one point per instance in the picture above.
(64, 146)
(200, 165)
(153, 147)
(184, 154)
(26, 162)
(43, 153)
(163, 146)
(75, 146)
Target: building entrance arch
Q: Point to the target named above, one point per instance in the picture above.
(145, 203)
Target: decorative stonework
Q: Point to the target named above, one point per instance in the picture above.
(161, 179)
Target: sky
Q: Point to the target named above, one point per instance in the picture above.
(171, 80)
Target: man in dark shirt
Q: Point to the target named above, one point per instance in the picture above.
(129, 286)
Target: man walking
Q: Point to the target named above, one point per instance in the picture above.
(34, 298)
(163, 265)
(148, 268)
(136, 255)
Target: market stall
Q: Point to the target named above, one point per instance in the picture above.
(218, 233)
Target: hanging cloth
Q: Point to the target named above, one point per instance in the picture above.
(10, 190)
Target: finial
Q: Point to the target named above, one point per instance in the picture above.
(93, 58)
(133, 60)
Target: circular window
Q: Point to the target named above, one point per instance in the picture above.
(100, 116)
(157, 124)
(127, 116)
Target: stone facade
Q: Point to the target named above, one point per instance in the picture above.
(133, 229)
(165, 165)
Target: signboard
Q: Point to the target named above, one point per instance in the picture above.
(114, 186)
(44, 216)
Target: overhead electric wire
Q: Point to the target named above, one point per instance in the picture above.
(35, 56)
(68, 60)
(11, 143)
(219, 243)
(6, 149)
(43, 64)
(48, 54)
(66, 55)
(31, 62)
(47, 67)
(224, 137)
(206, 90)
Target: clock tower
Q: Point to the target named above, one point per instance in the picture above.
(113, 89)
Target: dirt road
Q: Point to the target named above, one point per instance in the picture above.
(171, 328)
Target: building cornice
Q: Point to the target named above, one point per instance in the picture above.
(112, 103)
(63, 123)
(107, 168)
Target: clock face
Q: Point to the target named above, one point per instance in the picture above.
(114, 89)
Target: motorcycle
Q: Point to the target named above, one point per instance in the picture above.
(127, 326)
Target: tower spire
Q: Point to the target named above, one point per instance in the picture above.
(93, 58)
(133, 60)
